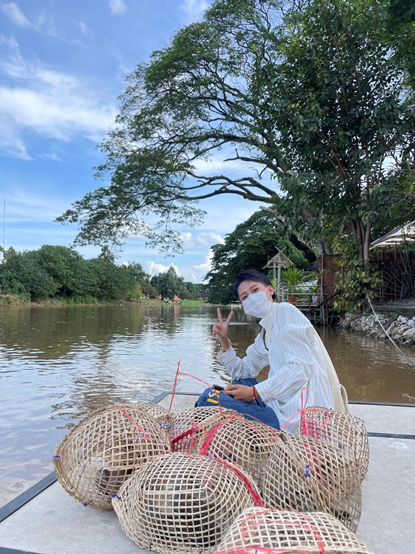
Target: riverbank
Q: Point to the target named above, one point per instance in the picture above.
(9, 300)
(400, 328)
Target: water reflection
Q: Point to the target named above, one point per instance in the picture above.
(59, 364)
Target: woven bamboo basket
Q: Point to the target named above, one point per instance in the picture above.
(103, 450)
(189, 428)
(160, 414)
(183, 504)
(282, 531)
(247, 444)
(344, 431)
(309, 475)
(153, 409)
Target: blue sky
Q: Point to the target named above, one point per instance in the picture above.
(62, 66)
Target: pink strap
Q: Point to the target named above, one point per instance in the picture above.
(174, 386)
(308, 526)
(300, 411)
(131, 419)
(255, 496)
(178, 372)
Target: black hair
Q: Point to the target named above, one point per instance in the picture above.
(251, 275)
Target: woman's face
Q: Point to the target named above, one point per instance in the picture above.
(251, 287)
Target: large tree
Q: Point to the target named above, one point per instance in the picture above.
(250, 246)
(311, 94)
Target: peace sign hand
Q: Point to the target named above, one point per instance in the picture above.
(220, 331)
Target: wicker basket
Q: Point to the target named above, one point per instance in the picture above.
(160, 414)
(309, 475)
(189, 428)
(342, 430)
(287, 531)
(181, 503)
(95, 458)
(247, 444)
(153, 409)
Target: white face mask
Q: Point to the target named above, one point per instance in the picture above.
(257, 304)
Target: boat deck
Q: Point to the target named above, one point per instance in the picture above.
(46, 520)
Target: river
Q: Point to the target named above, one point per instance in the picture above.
(59, 364)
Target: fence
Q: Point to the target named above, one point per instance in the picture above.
(397, 273)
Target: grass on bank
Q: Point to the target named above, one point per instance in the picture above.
(10, 300)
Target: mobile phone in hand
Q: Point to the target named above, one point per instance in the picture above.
(218, 388)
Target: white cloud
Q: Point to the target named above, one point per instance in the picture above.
(194, 278)
(13, 12)
(211, 238)
(194, 8)
(205, 267)
(42, 23)
(34, 207)
(203, 239)
(86, 31)
(51, 103)
(10, 142)
(154, 268)
(117, 7)
(54, 157)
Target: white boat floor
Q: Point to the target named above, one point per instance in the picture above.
(54, 523)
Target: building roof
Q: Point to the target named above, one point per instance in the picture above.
(279, 259)
(397, 236)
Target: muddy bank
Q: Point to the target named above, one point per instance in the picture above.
(9, 300)
(400, 328)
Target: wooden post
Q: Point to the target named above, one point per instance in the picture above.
(322, 309)
(274, 279)
(279, 277)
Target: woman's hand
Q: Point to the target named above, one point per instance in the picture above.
(220, 331)
(240, 392)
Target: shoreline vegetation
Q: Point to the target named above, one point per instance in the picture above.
(60, 275)
(15, 301)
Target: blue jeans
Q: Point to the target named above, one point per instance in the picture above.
(251, 410)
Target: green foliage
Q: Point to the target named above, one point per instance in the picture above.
(293, 276)
(400, 33)
(357, 280)
(311, 94)
(61, 272)
(339, 99)
(250, 246)
(169, 285)
(315, 95)
(71, 274)
(147, 288)
(22, 275)
(193, 96)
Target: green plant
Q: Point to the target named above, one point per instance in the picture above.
(313, 289)
(293, 276)
(357, 281)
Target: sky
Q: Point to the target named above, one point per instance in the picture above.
(62, 67)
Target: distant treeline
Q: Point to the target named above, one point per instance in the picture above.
(61, 272)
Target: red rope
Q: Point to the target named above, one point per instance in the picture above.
(178, 372)
(300, 411)
(308, 527)
(257, 499)
(254, 549)
(175, 385)
(131, 419)
(311, 427)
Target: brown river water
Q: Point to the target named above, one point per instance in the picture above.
(59, 364)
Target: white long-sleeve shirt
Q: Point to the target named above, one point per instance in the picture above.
(295, 358)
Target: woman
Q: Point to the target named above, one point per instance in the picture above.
(293, 350)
